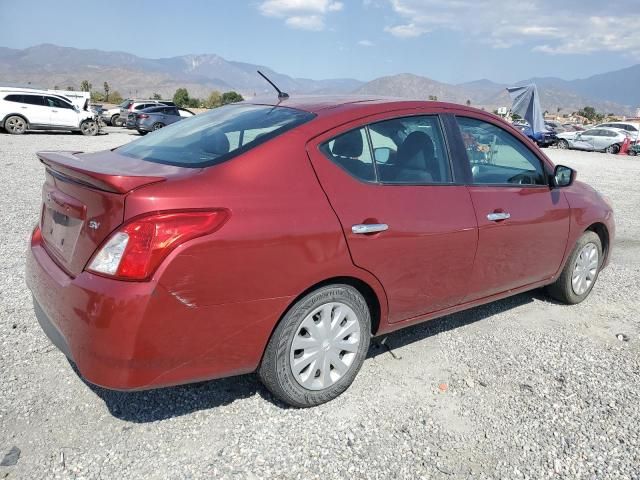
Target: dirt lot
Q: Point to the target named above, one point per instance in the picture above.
(521, 388)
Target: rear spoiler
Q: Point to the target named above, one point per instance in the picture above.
(100, 175)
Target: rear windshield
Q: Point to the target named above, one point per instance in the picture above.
(125, 104)
(215, 136)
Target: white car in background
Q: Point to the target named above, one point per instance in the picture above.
(30, 109)
(601, 139)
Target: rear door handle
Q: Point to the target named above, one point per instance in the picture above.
(369, 228)
(497, 216)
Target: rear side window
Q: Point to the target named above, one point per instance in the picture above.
(498, 158)
(215, 136)
(405, 150)
(351, 152)
(14, 98)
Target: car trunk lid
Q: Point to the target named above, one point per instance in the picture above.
(83, 200)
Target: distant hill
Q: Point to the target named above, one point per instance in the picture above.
(554, 95)
(50, 65)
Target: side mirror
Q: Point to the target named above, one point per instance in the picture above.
(382, 154)
(563, 176)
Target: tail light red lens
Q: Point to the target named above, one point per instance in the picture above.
(135, 251)
(143, 115)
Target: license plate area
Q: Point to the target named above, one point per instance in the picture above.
(60, 232)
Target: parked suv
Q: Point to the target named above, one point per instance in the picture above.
(131, 106)
(153, 118)
(22, 110)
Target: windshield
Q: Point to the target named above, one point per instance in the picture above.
(215, 136)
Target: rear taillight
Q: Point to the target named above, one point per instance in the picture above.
(143, 115)
(135, 251)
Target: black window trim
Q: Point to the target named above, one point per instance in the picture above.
(465, 158)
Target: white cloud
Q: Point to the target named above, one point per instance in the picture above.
(406, 31)
(301, 14)
(570, 26)
(366, 43)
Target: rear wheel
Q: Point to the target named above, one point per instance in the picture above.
(142, 132)
(632, 152)
(580, 272)
(614, 149)
(15, 125)
(157, 126)
(89, 128)
(115, 120)
(563, 144)
(318, 348)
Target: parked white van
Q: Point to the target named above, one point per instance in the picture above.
(23, 109)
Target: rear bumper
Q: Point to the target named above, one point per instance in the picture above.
(138, 335)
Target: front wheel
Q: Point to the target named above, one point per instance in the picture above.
(614, 149)
(580, 272)
(563, 144)
(15, 125)
(89, 128)
(318, 347)
(157, 126)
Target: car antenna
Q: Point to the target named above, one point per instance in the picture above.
(281, 95)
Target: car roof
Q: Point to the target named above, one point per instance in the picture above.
(354, 105)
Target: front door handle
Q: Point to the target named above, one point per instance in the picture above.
(369, 228)
(497, 216)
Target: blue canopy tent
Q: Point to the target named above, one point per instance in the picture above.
(526, 103)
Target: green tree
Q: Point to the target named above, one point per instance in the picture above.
(181, 97)
(70, 88)
(193, 103)
(433, 98)
(589, 113)
(468, 103)
(231, 97)
(97, 96)
(106, 91)
(85, 86)
(156, 96)
(55, 87)
(115, 97)
(214, 100)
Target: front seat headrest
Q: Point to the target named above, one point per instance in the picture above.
(415, 144)
(214, 141)
(348, 145)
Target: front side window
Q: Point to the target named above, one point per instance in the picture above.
(54, 102)
(215, 136)
(498, 158)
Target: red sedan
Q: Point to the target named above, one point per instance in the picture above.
(278, 237)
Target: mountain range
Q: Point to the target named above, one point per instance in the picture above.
(51, 65)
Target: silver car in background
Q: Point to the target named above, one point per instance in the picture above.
(600, 139)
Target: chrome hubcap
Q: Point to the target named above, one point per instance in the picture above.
(585, 269)
(16, 124)
(325, 346)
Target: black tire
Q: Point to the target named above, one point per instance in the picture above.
(115, 120)
(632, 153)
(89, 128)
(563, 144)
(16, 125)
(157, 126)
(142, 132)
(562, 289)
(275, 370)
(613, 149)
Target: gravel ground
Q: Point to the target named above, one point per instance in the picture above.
(521, 388)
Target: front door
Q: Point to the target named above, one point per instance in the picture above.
(523, 224)
(62, 114)
(405, 220)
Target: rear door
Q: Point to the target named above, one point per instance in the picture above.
(31, 106)
(404, 217)
(523, 225)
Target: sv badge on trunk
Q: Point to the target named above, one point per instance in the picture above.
(94, 225)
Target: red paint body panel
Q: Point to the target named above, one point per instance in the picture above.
(516, 251)
(210, 308)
